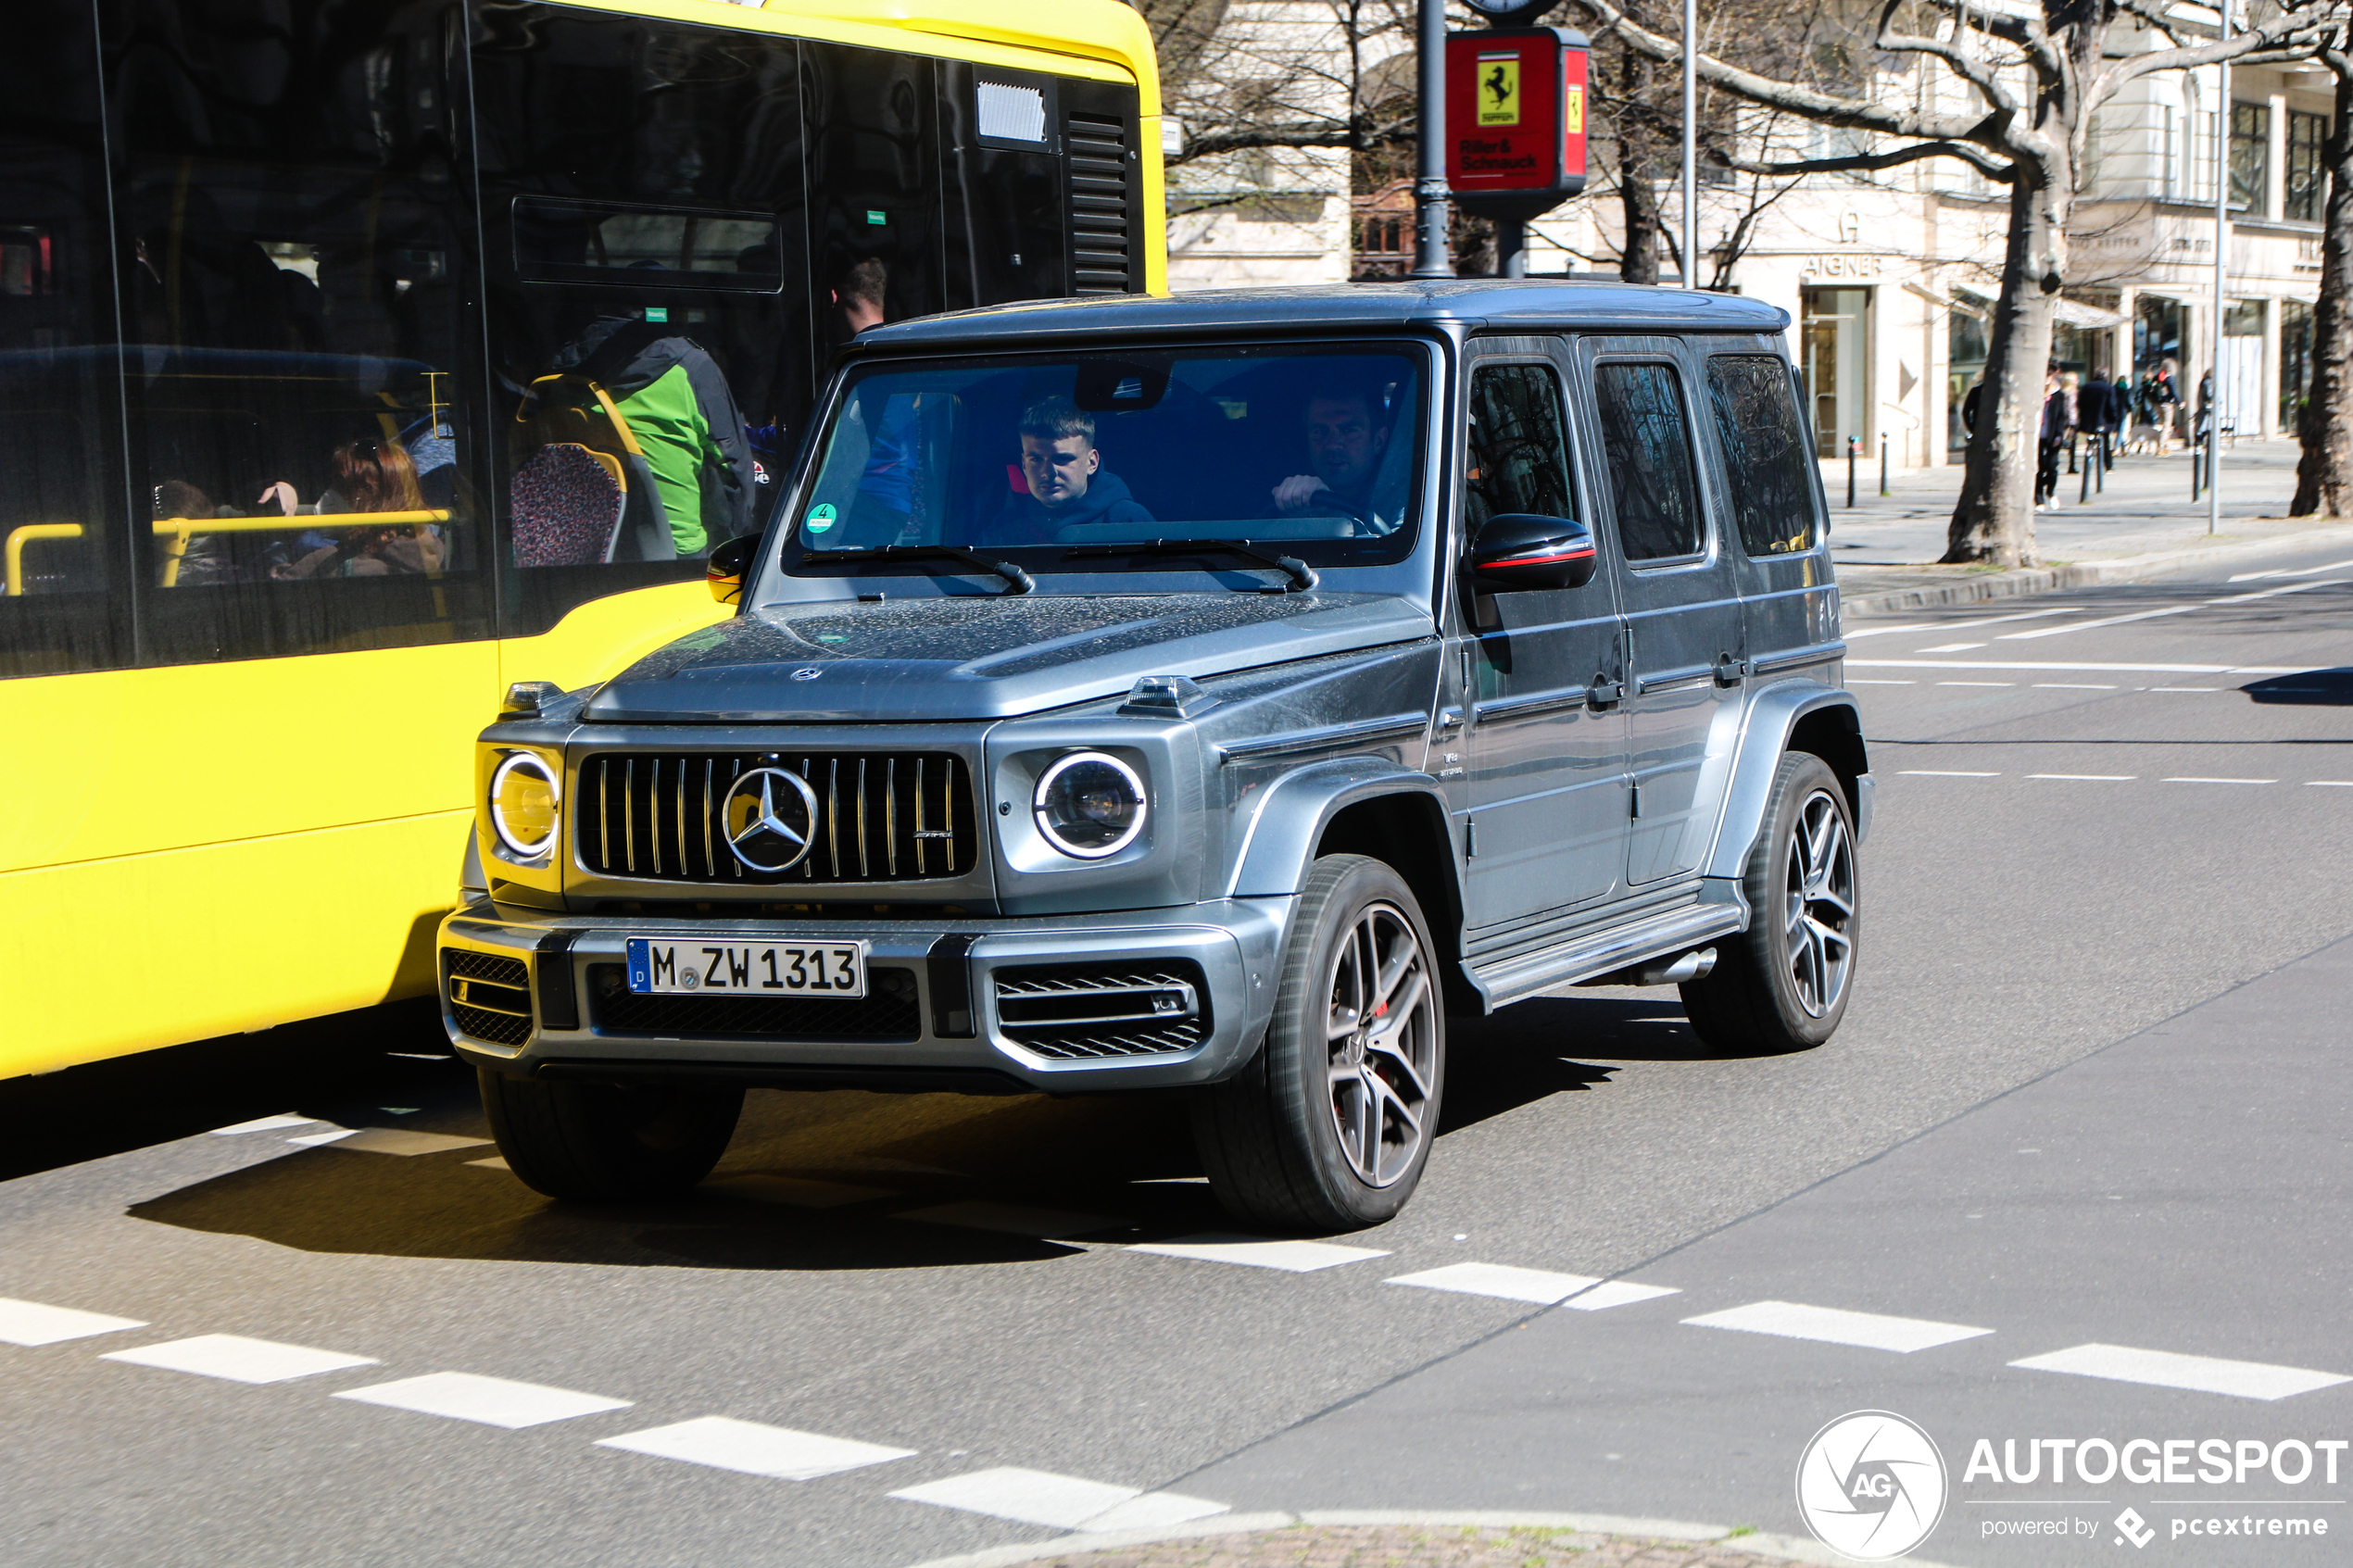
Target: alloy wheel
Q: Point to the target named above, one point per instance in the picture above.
(1819, 905)
(1381, 1036)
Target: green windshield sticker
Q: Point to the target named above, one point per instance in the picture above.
(875, 217)
(656, 313)
(819, 518)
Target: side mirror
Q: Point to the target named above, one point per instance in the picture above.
(725, 567)
(1523, 550)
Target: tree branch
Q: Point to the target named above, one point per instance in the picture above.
(2002, 173)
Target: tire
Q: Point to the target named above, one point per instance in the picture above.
(1330, 1125)
(605, 1143)
(1783, 984)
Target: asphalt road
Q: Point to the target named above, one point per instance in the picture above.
(2081, 941)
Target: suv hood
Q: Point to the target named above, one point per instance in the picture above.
(981, 658)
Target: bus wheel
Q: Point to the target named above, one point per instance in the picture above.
(604, 1143)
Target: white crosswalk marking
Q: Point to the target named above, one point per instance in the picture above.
(238, 1358)
(493, 1401)
(399, 1140)
(2164, 1369)
(1832, 1327)
(752, 1448)
(1037, 1497)
(265, 1125)
(30, 1322)
(1618, 1293)
(1294, 1256)
(1498, 1280)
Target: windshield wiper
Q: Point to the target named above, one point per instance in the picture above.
(1017, 580)
(1298, 570)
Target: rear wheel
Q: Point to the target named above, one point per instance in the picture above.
(1781, 986)
(1330, 1125)
(602, 1143)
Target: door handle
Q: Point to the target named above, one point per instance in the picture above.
(1603, 692)
(1729, 670)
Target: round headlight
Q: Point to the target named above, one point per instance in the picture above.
(522, 804)
(1089, 805)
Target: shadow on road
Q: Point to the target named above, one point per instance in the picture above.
(2314, 688)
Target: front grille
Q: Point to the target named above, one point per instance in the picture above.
(1069, 1011)
(489, 997)
(1102, 237)
(889, 1011)
(881, 816)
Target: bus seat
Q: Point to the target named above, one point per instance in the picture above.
(568, 503)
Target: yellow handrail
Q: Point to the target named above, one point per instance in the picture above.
(177, 531)
(20, 537)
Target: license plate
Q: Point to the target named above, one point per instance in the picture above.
(746, 969)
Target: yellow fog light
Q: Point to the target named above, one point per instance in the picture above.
(522, 804)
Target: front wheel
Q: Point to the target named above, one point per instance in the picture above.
(1783, 984)
(1329, 1126)
(605, 1143)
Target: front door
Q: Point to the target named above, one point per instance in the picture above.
(1538, 670)
(1687, 658)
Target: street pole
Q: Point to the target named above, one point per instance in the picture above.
(1430, 175)
(2213, 459)
(1691, 144)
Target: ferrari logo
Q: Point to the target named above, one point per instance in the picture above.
(1573, 111)
(1499, 88)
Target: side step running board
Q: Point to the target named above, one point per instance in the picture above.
(1524, 974)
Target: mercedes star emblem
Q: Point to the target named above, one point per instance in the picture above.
(771, 818)
(807, 672)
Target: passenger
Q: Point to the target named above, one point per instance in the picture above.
(1066, 485)
(1346, 440)
(678, 406)
(370, 476)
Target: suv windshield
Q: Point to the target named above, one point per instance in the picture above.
(1048, 459)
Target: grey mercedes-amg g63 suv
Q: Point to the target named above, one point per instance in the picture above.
(1208, 695)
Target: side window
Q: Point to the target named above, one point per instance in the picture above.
(1648, 448)
(1764, 455)
(1519, 456)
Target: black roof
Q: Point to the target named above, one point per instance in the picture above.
(1529, 303)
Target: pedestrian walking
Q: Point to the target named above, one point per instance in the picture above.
(2095, 415)
(2052, 437)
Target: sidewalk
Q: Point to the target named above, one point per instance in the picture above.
(2143, 524)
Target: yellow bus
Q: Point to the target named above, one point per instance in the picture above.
(359, 356)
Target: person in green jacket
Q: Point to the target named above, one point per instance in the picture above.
(678, 406)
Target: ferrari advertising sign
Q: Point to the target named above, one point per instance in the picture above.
(1515, 118)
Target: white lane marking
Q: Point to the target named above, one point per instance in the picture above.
(2185, 688)
(238, 1358)
(1889, 630)
(2187, 780)
(312, 1140)
(1977, 682)
(795, 1190)
(31, 1323)
(1943, 773)
(1293, 1257)
(2062, 664)
(496, 1163)
(1950, 647)
(2164, 1369)
(1618, 1293)
(1830, 1325)
(1959, 625)
(1037, 1497)
(2328, 784)
(2298, 571)
(1501, 1281)
(493, 1401)
(2110, 778)
(2274, 593)
(2171, 609)
(1011, 1218)
(2071, 686)
(1869, 683)
(752, 1448)
(398, 1140)
(265, 1125)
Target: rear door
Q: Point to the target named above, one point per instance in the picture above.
(1678, 590)
(1545, 741)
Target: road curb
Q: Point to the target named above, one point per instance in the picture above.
(2025, 581)
(1785, 1548)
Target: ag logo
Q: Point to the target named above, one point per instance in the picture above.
(1871, 1485)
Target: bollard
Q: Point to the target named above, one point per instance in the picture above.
(1853, 447)
(2107, 457)
(2198, 468)
(1883, 465)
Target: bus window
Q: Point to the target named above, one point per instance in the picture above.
(1006, 225)
(60, 456)
(301, 423)
(874, 172)
(641, 184)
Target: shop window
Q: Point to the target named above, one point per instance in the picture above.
(2251, 157)
(2307, 172)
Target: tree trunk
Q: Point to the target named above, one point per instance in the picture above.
(2324, 474)
(1994, 520)
(1637, 197)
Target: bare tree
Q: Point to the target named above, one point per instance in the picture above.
(2034, 78)
(2325, 473)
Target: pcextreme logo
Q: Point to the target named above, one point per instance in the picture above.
(1871, 1485)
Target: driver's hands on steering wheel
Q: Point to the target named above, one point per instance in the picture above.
(1298, 492)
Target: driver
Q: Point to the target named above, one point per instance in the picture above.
(1346, 439)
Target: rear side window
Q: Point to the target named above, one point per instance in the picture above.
(1518, 453)
(1765, 454)
(1648, 447)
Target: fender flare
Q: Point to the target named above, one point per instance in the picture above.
(1774, 716)
(1293, 812)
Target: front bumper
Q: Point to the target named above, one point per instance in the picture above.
(936, 1017)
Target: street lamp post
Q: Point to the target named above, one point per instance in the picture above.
(1429, 172)
(1691, 144)
(2213, 457)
